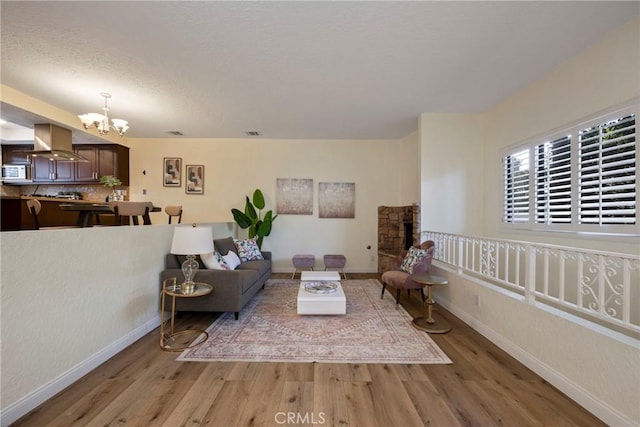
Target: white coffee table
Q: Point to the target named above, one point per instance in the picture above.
(332, 276)
(317, 303)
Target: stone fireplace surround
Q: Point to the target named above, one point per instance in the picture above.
(398, 228)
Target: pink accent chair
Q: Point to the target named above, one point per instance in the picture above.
(400, 280)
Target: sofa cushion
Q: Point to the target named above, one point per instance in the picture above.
(225, 245)
(248, 249)
(261, 266)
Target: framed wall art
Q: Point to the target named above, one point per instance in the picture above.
(194, 179)
(172, 176)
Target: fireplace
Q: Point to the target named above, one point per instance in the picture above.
(398, 229)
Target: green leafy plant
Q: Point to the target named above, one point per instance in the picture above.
(259, 226)
(110, 181)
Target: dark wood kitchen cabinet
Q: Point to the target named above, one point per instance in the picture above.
(108, 159)
(16, 154)
(48, 170)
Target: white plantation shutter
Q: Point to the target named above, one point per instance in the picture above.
(582, 178)
(607, 173)
(553, 181)
(516, 188)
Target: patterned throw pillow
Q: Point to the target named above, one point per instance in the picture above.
(413, 256)
(232, 260)
(214, 261)
(248, 250)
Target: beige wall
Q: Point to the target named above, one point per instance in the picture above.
(235, 167)
(604, 75)
(451, 174)
(99, 292)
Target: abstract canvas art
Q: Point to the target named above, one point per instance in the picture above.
(294, 196)
(172, 172)
(195, 179)
(337, 199)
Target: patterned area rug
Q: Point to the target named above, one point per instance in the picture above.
(374, 330)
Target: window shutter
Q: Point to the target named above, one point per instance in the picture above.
(607, 173)
(553, 182)
(516, 187)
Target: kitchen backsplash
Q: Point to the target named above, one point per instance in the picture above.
(95, 193)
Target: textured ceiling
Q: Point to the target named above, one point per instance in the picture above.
(289, 69)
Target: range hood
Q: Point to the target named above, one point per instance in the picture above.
(54, 143)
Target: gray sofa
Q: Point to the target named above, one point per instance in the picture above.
(232, 289)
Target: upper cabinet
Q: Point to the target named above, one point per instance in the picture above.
(104, 159)
(16, 154)
(47, 170)
(109, 159)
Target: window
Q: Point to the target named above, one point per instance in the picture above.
(580, 179)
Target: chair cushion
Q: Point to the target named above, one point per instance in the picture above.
(400, 280)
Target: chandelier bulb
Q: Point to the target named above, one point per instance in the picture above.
(101, 121)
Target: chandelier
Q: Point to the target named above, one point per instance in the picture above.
(101, 121)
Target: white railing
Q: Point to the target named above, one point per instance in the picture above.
(601, 286)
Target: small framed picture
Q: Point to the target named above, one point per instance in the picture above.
(172, 176)
(195, 179)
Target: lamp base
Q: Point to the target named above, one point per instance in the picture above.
(189, 269)
(188, 287)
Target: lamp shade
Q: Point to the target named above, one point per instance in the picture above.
(192, 240)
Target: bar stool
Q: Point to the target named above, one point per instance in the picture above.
(301, 262)
(174, 211)
(336, 261)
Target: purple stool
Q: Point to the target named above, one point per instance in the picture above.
(336, 261)
(301, 262)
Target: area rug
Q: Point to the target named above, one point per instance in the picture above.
(374, 330)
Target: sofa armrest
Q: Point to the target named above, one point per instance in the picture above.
(266, 255)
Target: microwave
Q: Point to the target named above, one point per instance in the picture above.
(16, 172)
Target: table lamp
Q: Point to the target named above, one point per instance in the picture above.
(191, 241)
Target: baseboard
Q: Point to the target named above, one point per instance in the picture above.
(31, 401)
(600, 409)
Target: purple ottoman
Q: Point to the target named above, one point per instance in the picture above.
(301, 262)
(336, 261)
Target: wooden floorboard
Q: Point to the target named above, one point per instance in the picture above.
(144, 386)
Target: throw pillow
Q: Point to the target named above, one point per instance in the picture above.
(214, 261)
(232, 260)
(413, 256)
(248, 250)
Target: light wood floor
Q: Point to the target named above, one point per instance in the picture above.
(144, 386)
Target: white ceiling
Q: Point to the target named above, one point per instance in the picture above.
(290, 69)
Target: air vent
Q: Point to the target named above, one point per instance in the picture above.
(174, 132)
(252, 133)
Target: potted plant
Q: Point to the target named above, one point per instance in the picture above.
(259, 226)
(110, 181)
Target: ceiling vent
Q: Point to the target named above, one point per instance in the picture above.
(174, 132)
(252, 133)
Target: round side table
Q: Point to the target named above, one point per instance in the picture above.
(170, 288)
(431, 322)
